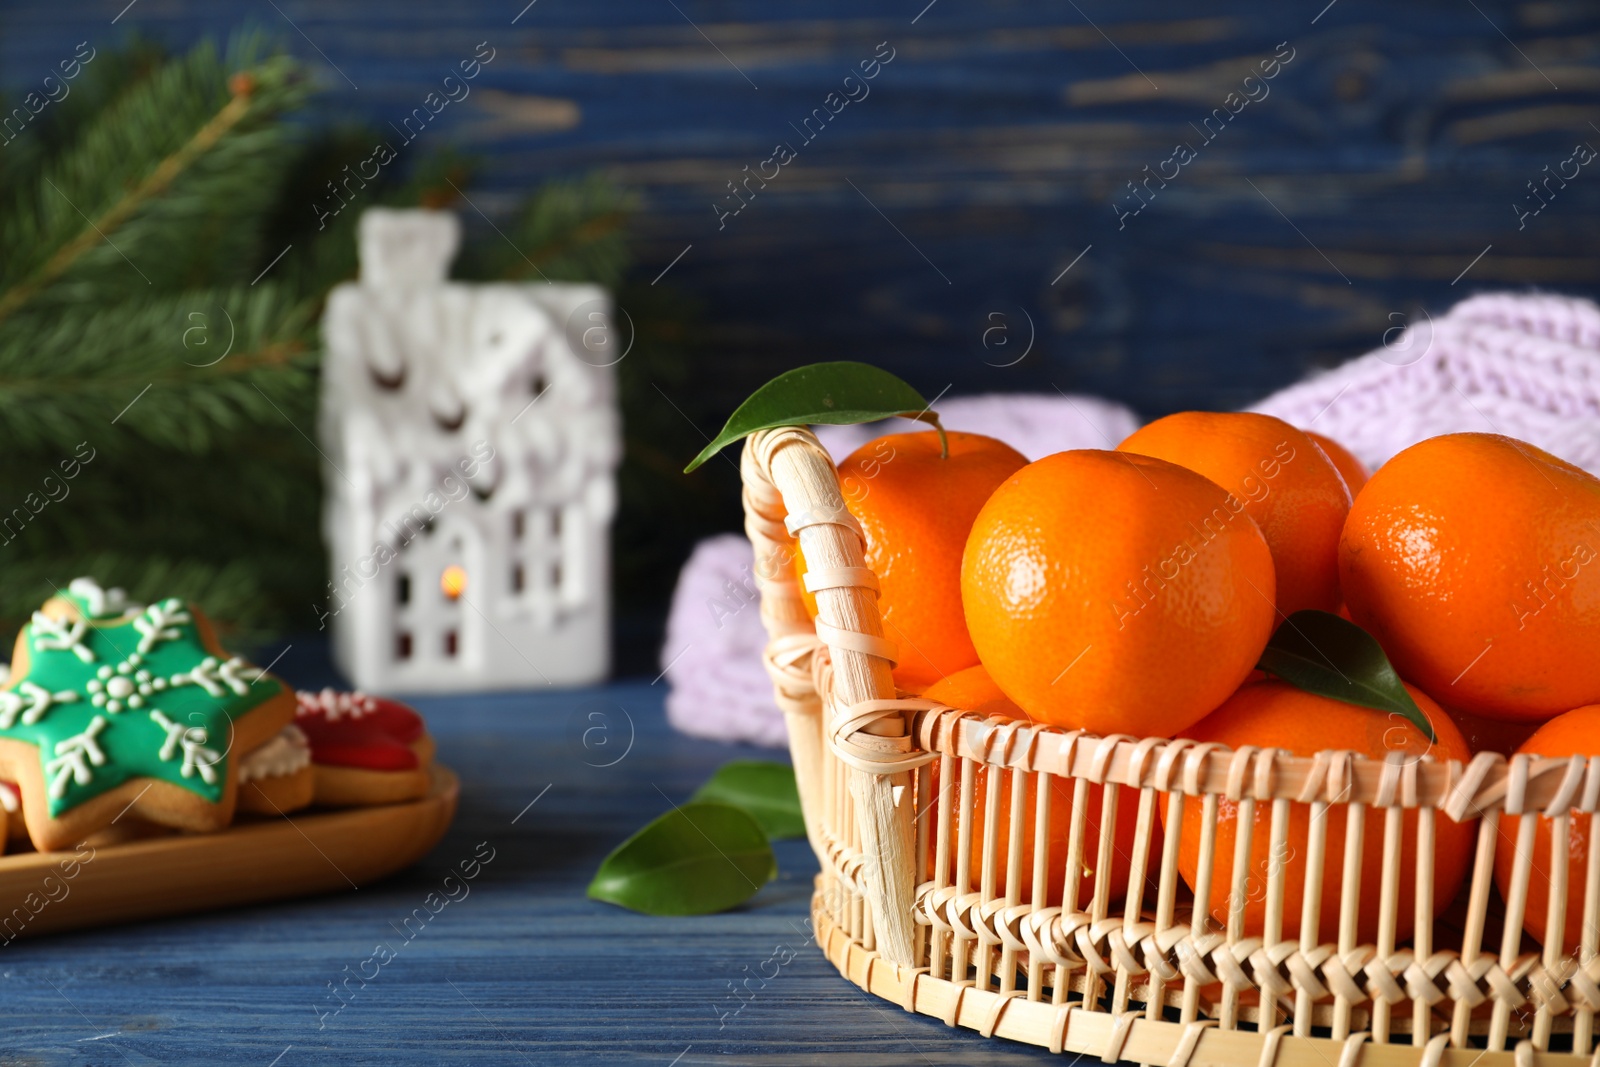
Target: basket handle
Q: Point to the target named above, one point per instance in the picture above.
(791, 490)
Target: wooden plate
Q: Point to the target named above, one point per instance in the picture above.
(252, 861)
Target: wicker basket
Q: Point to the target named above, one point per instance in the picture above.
(1156, 981)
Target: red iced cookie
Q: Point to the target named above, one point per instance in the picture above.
(357, 730)
(366, 749)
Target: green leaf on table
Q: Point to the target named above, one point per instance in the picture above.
(830, 393)
(764, 789)
(694, 860)
(1333, 657)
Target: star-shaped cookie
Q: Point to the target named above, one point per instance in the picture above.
(115, 707)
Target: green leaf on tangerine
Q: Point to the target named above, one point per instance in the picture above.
(764, 789)
(1333, 657)
(835, 394)
(697, 859)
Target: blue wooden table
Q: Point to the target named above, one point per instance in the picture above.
(518, 968)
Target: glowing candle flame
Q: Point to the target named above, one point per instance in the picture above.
(453, 582)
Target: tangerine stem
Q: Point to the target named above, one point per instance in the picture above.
(944, 440)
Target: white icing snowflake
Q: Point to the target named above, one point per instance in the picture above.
(125, 685)
(55, 636)
(74, 758)
(160, 623)
(238, 674)
(211, 675)
(197, 758)
(32, 700)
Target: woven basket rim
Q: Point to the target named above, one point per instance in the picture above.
(1488, 782)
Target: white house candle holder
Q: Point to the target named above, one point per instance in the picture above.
(471, 435)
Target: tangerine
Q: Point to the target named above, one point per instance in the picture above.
(1274, 714)
(915, 507)
(973, 690)
(1351, 469)
(1116, 593)
(1491, 735)
(1288, 486)
(1472, 559)
(1574, 733)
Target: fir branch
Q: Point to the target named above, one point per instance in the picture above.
(568, 231)
(112, 74)
(140, 170)
(579, 237)
(157, 181)
(148, 367)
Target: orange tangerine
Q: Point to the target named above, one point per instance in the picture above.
(1474, 559)
(1288, 486)
(1351, 469)
(1116, 593)
(915, 508)
(1484, 734)
(1576, 733)
(1274, 714)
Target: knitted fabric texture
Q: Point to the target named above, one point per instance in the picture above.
(1527, 366)
(1524, 366)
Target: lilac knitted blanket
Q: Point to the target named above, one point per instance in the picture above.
(1527, 366)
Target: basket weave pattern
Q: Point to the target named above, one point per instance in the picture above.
(1155, 979)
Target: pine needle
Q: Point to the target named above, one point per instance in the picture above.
(159, 179)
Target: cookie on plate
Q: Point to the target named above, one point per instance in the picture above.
(277, 778)
(117, 708)
(365, 749)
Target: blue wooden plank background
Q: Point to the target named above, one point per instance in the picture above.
(933, 219)
(967, 220)
(521, 970)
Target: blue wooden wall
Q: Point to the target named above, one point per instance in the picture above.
(932, 219)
